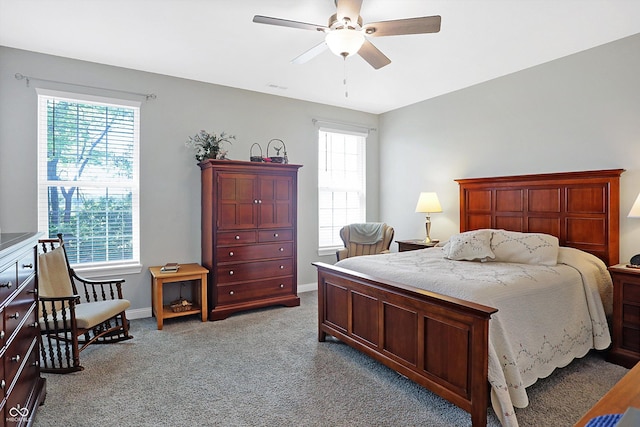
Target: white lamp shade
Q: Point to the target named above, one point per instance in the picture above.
(635, 209)
(344, 42)
(428, 202)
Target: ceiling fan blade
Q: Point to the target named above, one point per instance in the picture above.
(372, 55)
(310, 54)
(348, 8)
(286, 23)
(425, 24)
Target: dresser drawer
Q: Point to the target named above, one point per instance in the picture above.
(236, 238)
(18, 348)
(8, 281)
(26, 267)
(254, 252)
(19, 307)
(22, 390)
(279, 235)
(254, 270)
(241, 292)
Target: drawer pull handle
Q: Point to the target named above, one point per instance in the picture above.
(231, 273)
(282, 267)
(32, 291)
(230, 292)
(259, 201)
(3, 384)
(281, 249)
(2, 335)
(15, 316)
(35, 325)
(36, 363)
(275, 235)
(16, 358)
(281, 286)
(27, 265)
(7, 285)
(237, 237)
(231, 253)
(255, 201)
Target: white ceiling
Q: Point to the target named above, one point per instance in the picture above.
(216, 41)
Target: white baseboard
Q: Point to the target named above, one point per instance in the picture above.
(308, 287)
(141, 313)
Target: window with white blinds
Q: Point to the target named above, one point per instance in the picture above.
(88, 177)
(341, 185)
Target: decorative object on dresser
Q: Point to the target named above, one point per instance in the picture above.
(23, 388)
(71, 321)
(415, 244)
(249, 235)
(428, 203)
(369, 238)
(625, 350)
(208, 145)
(278, 146)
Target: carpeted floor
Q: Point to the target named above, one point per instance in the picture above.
(266, 368)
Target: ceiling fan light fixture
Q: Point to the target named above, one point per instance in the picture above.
(345, 41)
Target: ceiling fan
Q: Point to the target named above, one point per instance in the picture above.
(345, 34)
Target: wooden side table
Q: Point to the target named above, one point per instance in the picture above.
(625, 350)
(412, 245)
(185, 273)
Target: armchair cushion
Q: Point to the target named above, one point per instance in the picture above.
(53, 275)
(88, 314)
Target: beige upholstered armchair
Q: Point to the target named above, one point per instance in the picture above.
(365, 239)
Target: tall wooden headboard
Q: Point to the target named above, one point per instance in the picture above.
(581, 208)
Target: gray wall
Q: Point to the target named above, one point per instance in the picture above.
(580, 112)
(169, 176)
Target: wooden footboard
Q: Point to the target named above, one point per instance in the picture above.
(436, 341)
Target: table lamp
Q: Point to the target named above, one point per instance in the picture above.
(428, 203)
(635, 213)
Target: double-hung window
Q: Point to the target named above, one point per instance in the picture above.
(88, 178)
(341, 184)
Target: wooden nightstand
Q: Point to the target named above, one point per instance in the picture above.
(625, 350)
(412, 245)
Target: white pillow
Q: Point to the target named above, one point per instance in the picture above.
(524, 248)
(469, 246)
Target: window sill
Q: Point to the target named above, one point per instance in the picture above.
(107, 270)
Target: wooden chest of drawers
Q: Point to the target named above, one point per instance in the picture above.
(22, 388)
(249, 235)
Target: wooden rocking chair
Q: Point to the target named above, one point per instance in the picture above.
(68, 324)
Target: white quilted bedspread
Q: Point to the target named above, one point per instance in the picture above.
(548, 315)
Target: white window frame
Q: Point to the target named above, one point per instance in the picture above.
(358, 186)
(96, 269)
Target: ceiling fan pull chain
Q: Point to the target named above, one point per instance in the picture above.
(346, 88)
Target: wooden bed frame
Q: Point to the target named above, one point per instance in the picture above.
(441, 342)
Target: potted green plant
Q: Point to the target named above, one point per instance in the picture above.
(208, 145)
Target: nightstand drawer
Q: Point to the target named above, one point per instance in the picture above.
(631, 339)
(631, 292)
(631, 314)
